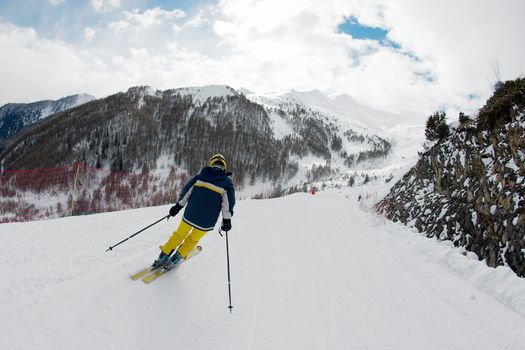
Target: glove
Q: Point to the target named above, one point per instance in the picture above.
(175, 209)
(226, 225)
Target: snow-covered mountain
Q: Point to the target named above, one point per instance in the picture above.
(342, 107)
(14, 117)
(276, 138)
(357, 125)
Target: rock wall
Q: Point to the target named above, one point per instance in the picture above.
(470, 188)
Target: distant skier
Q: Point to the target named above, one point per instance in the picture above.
(204, 196)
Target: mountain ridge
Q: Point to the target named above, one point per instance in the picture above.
(322, 131)
(14, 117)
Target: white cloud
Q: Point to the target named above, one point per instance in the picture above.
(34, 68)
(56, 2)
(453, 42)
(300, 48)
(152, 16)
(104, 5)
(137, 20)
(197, 21)
(447, 51)
(138, 52)
(89, 33)
(97, 4)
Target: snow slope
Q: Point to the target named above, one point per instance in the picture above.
(342, 107)
(308, 272)
(405, 133)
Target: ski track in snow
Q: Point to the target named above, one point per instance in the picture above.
(308, 272)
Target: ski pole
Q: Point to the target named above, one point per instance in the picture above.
(228, 264)
(133, 235)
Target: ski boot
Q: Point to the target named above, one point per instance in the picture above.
(162, 260)
(174, 261)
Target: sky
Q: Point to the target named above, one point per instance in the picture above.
(409, 56)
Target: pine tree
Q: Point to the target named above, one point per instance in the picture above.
(464, 119)
(437, 127)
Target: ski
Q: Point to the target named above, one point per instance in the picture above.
(143, 273)
(159, 272)
(149, 274)
(153, 276)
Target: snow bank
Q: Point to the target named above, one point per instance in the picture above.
(501, 282)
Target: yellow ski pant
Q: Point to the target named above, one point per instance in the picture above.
(186, 237)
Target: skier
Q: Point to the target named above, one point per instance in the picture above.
(205, 195)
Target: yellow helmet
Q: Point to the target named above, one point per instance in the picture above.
(218, 159)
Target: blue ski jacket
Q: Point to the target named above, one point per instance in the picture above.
(205, 196)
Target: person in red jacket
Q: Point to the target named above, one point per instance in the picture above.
(205, 196)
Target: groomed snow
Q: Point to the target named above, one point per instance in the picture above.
(308, 272)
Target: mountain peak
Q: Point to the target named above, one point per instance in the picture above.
(344, 99)
(143, 90)
(245, 91)
(16, 116)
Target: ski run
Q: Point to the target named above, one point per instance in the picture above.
(307, 272)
